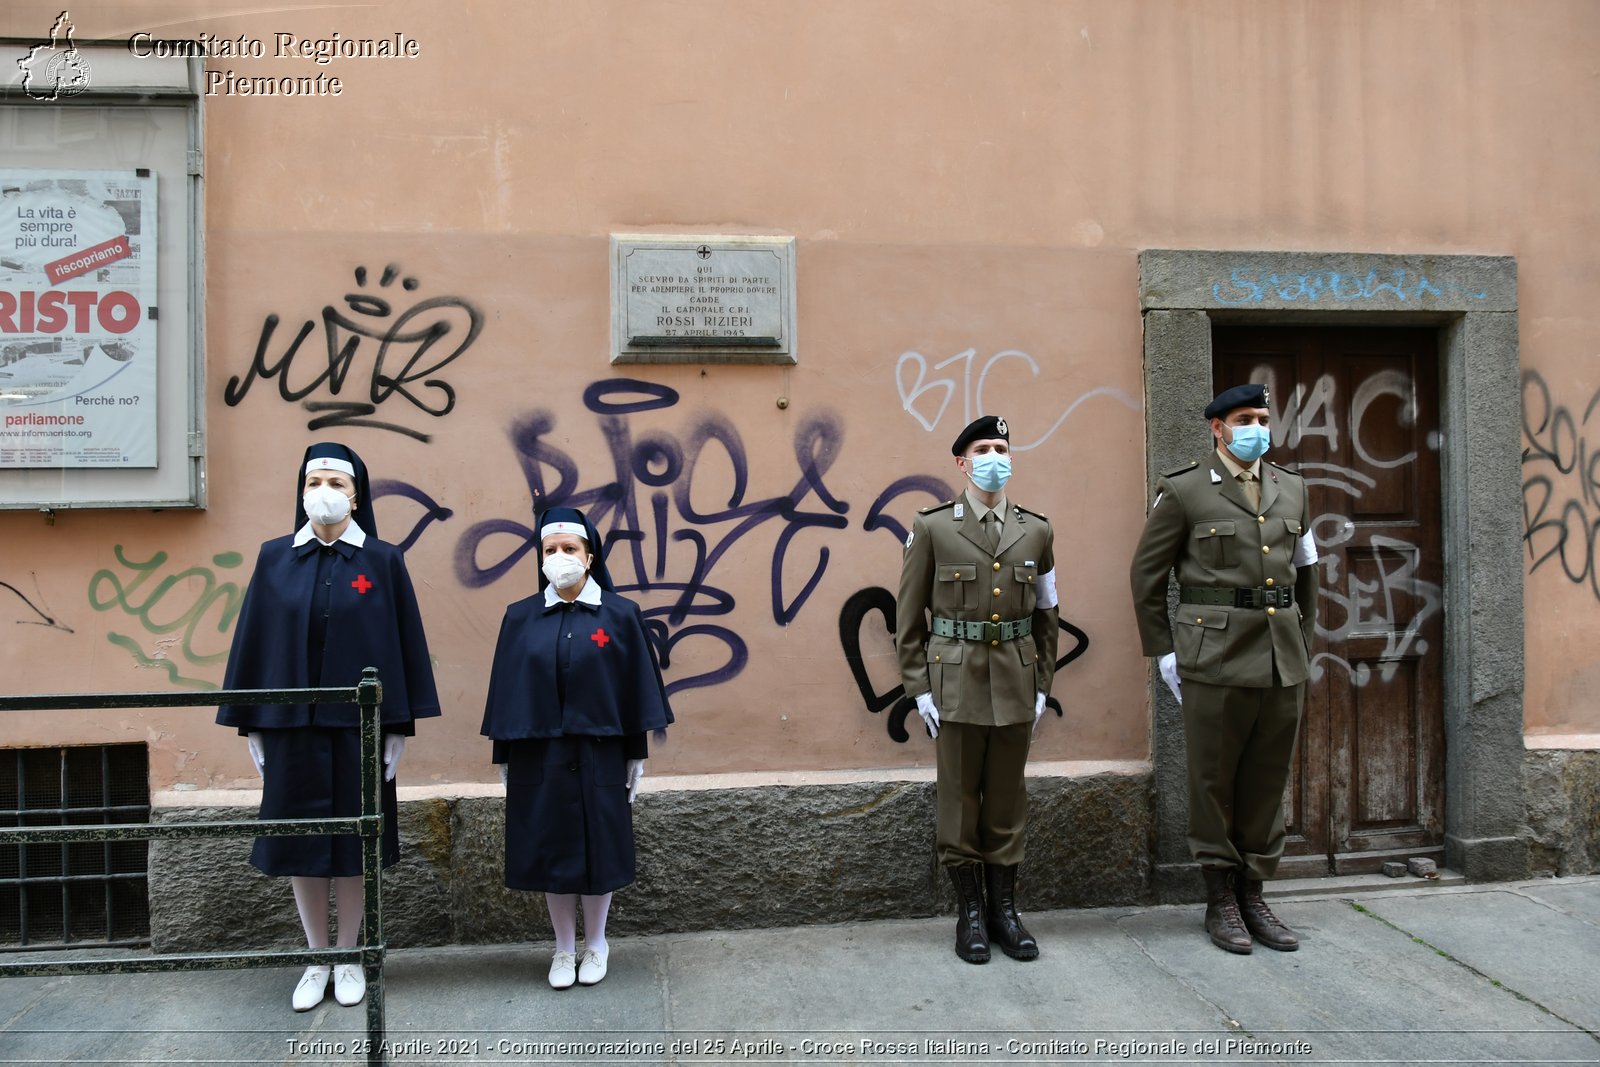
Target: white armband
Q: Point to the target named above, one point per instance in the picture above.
(1305, 553)
(1044, 590)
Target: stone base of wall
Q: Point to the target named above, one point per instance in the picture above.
(771, 855)
(1562, 789)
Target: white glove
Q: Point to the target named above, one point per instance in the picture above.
(505, 773)
(1169, 674)
(252, 741)
(635, 772)
(1038, 713)
(394, 746)
(929, 713)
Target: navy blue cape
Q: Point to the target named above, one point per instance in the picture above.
(612, 684)
(373, 622)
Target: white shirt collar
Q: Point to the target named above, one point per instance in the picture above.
(589, 594)
(353, 534)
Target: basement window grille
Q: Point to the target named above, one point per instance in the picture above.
(74, 894)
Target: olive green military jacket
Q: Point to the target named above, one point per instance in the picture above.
(948, 572)
(1206, 529)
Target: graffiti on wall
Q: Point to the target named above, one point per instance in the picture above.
(1247, 285)
(368, 345)
(185, 615)
(1384, 595)
(1560, 484)
(676, 511)
(31, 614)
(927, 399)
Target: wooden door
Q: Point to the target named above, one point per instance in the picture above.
(1356, 412)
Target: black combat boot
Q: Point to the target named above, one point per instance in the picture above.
(972, 944)
(1005, 925)
(1222, 912)
(1259, 920)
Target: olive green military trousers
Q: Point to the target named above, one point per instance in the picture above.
(983, 800)
(1240, 744)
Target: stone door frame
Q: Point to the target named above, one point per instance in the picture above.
(1472, 302)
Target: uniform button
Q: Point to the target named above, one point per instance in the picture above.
(956, 576)
(996, 564)
(1213, 529)
(997, 590)
(1269, 583)
(329, 582)
(1266, 550)
(994, 642)
(936, 659)
(1272, 611)
(994, 618)
(572, 766)
(1261, 518)
(1197, 622)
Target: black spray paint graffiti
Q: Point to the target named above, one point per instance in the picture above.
(648, 503)
(39, 616)
(1560, 484)
(415, 337)
(853, 616)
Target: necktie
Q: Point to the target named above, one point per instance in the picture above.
(1252, 489)
(991, 531)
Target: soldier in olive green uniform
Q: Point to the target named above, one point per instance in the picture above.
(1238, 531)
(976, 639)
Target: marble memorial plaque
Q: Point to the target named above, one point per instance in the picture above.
(702, 299)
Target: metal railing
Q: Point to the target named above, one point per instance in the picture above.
(368, 695)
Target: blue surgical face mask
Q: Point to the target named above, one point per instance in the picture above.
(1250, 443)
(990, 471)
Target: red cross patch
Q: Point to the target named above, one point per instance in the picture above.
(600, 637)
(361, 585)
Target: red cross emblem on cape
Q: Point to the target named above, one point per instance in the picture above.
(600, 637)
(361, 585)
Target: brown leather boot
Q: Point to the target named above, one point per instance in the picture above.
(1222, 912)
(1005, 925)
(972, 943)
(1259, 920)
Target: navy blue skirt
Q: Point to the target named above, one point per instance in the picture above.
(314, 772)
(569, 826)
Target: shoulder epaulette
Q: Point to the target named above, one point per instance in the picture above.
(936, 507)
(1030, 511)
(1286, 470)
(1187, 467)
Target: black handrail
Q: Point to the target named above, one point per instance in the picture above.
(368, 695)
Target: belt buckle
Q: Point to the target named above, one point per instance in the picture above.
(1269, 598)
(991, 631)
(1247, 598)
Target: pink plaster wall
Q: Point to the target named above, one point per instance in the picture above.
(961, 178)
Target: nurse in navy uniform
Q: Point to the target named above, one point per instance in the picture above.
(573, 694)
(323, 603)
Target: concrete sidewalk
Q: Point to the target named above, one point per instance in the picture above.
(1496, 973)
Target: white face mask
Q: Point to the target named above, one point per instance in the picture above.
(325, 505)
(564, 571)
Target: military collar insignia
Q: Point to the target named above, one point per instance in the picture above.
(960, 511)
(1216, 479)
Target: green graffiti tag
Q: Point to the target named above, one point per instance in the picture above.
(176, 605)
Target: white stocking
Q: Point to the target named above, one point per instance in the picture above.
(311, 899)
(350, 899)
(564, 919)
(594, 921)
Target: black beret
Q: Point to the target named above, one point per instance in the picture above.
(981, 428)
(1240, 396)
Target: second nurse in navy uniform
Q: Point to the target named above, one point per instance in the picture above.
(574, 691)
(325, 602)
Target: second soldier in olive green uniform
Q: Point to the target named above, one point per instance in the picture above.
(976, 639)
(1237, 655)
